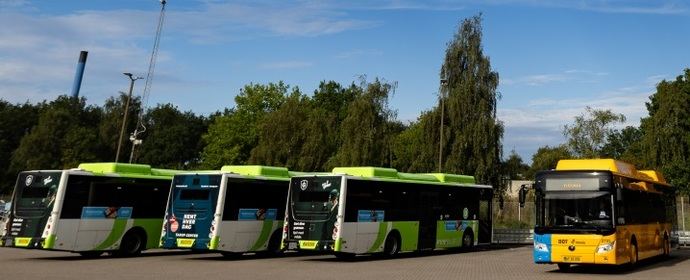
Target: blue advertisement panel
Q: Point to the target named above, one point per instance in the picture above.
(370, 215)
(106, 212)
(257, 214)
(454, 225)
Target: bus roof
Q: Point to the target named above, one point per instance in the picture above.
(127, 169)
(615, 166)
(392, 174)
(261, 170)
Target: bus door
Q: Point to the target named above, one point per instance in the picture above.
(191, 212)
(428, 215)
(484, 216)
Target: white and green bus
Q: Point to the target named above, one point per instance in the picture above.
(364, 210)
(92, 209)
(235, 210)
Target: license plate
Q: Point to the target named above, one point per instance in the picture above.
(571, 258)
(185, 242)
(22, 241)
(308, 244)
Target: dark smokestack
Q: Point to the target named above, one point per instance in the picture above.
(80, 73)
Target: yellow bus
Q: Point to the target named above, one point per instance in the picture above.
(600, 211)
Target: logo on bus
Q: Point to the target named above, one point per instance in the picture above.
(303, 185)
(29, 180)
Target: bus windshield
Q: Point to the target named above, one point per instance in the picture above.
(314, 198)
(583, 210)
(35, 193)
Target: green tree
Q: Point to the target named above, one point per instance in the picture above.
(172, 138)
(15, 122)
(514, 168)
(64, 136)
(588, 135)
(232, 135)
(367, 132)
(625, 145)
(666, 132)
(546, 158)
(282, 134)
(413, 147)
(473, 142)
(111, 124)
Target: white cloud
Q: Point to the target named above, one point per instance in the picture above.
(540, 122)
(572, 75)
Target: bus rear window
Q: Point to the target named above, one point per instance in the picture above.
(194, 194)
(35, 192)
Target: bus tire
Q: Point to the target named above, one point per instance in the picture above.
(667, 246)
(132, 243)
(564, 267)
(91, 254)
(633, 254)
(273, 246)
(392, 245)
(468, 239)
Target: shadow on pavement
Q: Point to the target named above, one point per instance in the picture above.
(107, 256)
(677, 256)
(420, 254)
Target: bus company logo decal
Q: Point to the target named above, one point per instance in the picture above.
(47, 181)
(326, 185)
(303, 185)
(29, 180)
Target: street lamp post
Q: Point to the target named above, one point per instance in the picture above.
(124, 119)
(443, 85)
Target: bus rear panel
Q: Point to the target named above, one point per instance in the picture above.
(189, 221)
(34, 198)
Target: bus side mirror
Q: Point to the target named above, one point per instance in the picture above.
(523, 195)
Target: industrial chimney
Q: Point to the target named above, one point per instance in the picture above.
(80, 73)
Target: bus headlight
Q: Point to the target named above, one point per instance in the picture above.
(541, 247)
(606, 247)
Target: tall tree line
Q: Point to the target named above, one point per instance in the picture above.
(276, 124)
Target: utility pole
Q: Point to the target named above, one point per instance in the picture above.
(124, 119)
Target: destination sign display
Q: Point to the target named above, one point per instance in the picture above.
(572, 184)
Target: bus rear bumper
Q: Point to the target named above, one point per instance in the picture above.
(24, 242)
(309, 245)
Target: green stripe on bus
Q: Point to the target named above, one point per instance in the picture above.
(50, 242)
(380, 237)
(213, 245)
(119, 226)
(263, 237)
(409, 233)
(152, 227)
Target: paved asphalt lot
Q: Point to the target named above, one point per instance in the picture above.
(482, 263)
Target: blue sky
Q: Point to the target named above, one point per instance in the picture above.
(554, 58)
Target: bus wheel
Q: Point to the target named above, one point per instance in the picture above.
(273, 247)
(667, 247)
(91, 254)
(392, 246)
(468, 239)
(564, 267)
(132, 244)
(633, 254)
